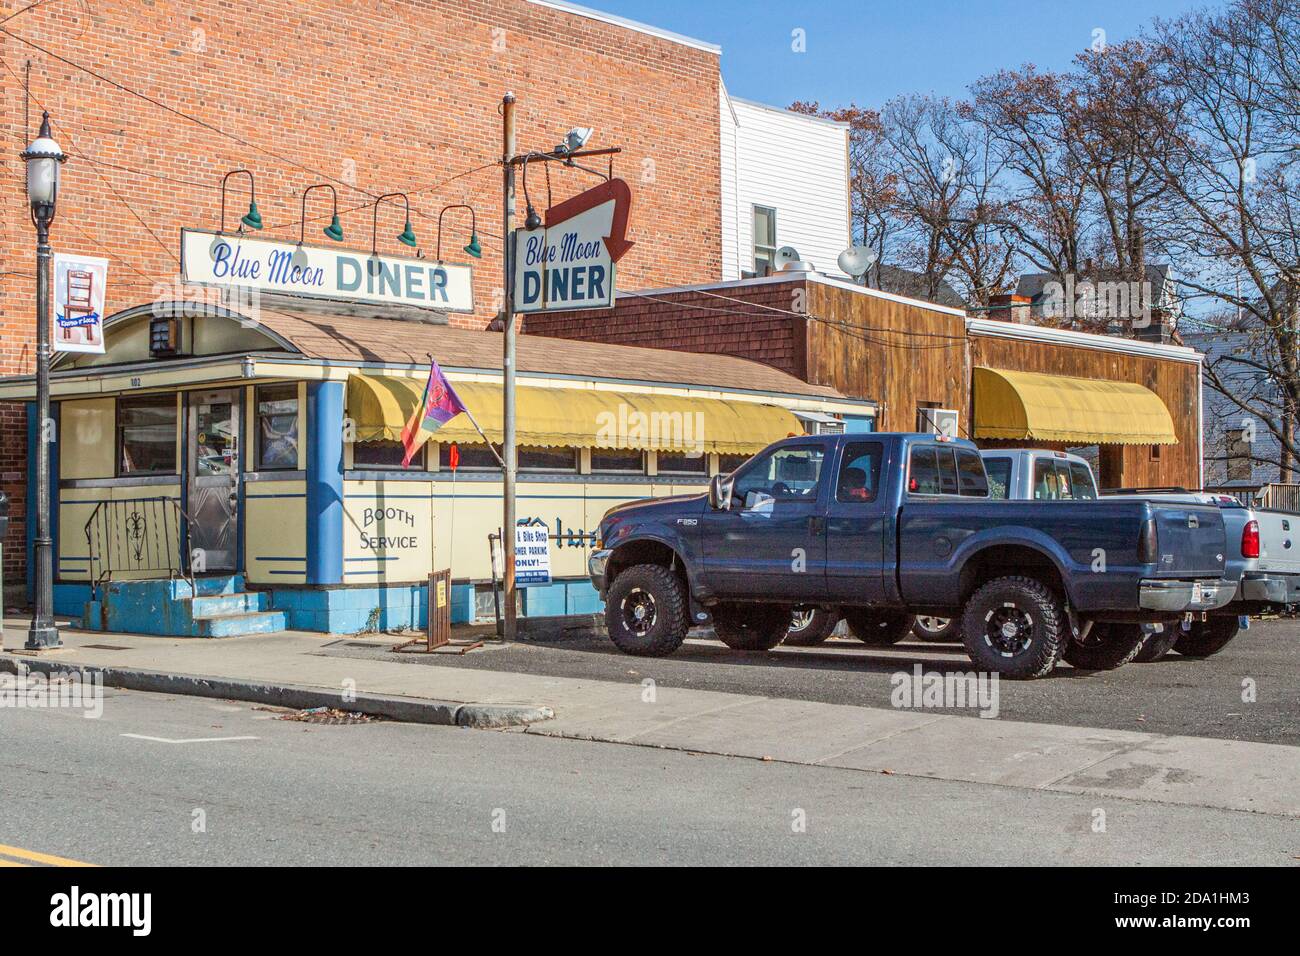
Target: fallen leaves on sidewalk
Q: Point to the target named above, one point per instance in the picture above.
(329, 715)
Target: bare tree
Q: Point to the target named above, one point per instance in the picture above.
(1232, 168)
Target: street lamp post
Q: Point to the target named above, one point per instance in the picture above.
(43, 158)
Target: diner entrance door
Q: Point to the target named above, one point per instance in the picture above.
(212, 431)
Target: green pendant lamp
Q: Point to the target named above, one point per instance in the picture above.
(474, 249)
(334, 230)
(407, 236)
(252, 219)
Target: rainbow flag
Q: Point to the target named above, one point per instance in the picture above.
(440, 405)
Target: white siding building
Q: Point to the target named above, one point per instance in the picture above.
(785, 182)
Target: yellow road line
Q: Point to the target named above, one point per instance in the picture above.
(12, 863)
(35, 857)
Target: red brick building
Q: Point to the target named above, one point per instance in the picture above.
(154, 100)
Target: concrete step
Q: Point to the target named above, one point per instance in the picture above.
(235, 625)
(209, 585)
(242, 602)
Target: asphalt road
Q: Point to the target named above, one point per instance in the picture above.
(129, 788)
(1176, 695)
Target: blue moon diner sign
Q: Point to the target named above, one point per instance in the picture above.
(232, 260)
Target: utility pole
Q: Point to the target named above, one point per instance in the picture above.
(511, 452)
(567, 152)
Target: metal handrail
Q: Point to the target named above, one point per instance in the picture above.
(138, 535)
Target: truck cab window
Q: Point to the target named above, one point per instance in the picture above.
(859, 478)
(970, 474)
(947, 470)
(1045, 484)
(999, 473)
(923, 471)
(1083, 483)
(786, 474)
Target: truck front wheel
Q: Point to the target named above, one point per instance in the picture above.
(1106, 647)
(1014, 626)
(751, 627)
(645, 611)
(1207, 638)
(878, 628)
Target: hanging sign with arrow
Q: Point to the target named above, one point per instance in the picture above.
(569, 264)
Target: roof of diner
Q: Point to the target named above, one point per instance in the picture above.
(402, 342)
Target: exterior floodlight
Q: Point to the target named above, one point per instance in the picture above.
(574, 140)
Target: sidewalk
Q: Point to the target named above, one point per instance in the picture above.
(1227, 774)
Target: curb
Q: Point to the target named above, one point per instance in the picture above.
(413, 710)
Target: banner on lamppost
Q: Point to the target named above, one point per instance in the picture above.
(79, 284)
(569, 263)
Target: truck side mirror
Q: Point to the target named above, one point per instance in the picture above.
(720, 492)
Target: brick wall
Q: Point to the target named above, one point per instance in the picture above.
(383, 94)
(741, 323)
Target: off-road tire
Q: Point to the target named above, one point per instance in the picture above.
(751, 627)
(1038, 627)
(1207, 638)
(1107, 647)
(878, 628)
(1156, 645)
(667, 594)
(821, 622)
(949, 633)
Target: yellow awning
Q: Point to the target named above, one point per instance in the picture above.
(1058, 408)
(380, 406)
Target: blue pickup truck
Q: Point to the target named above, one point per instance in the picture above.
(881, 527)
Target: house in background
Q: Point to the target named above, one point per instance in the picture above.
(1099, 301)
(785, 182)
(1241, 454)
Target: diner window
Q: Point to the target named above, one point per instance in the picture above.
(672, 463)
(146, 434)
(614, 460)
(277, 427)
(547, 459)
(473, 457)
(729, 463)
(764, 240)
(384, 456)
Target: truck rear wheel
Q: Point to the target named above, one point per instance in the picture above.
(1207, 638)
(1106, 647)
(878, 628)
(1156, 644)
(811, 625)
(1013, 626)
(937, 630)
(645, 611)
(751, 627)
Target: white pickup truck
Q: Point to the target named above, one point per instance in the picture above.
(1263, 546)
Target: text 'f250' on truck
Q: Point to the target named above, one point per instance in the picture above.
(880, 527)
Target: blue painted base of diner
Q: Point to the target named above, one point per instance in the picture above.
(167, 608)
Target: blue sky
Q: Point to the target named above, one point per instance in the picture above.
(869, 50)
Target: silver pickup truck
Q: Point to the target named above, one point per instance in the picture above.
(1263, 546)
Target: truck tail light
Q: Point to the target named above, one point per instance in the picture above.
(1250, 540)
(1148, 546)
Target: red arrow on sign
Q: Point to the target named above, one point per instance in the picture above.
(617, 190)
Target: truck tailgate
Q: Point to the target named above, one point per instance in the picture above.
(1279, 542)
(1190, 540)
